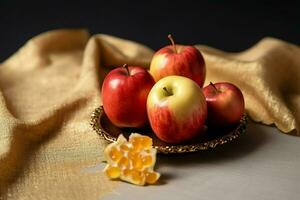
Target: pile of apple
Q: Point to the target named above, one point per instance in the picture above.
(170, 98)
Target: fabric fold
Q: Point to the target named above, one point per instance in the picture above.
(50, 86)
(268, 74)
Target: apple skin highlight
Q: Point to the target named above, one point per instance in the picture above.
(225, 104)
(124, 96)
(187, 61)
(180, 115)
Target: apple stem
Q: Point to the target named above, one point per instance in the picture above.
(173, 43)
(126, 67)
(216, 89)
(167, 91)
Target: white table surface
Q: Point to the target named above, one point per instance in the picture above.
(262, 164)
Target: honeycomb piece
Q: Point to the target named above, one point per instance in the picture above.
(132, 161)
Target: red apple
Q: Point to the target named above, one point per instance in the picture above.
(124, 94)
(178, 60)
(225, 104)
(176, 109)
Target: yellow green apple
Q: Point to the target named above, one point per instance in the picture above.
(176, 109)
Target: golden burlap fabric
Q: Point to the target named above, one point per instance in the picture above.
(51, 85)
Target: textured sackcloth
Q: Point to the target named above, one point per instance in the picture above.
(49, 88)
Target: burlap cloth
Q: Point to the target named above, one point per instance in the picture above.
(49, 88)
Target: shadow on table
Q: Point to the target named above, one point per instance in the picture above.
(254, 138)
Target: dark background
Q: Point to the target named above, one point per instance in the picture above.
(227, 25)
